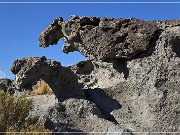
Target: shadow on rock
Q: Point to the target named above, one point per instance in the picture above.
(62, 80)
(121, 66)
(104, 102)
(83, 67)
(62, 128)
(151, 45)
(69, 86)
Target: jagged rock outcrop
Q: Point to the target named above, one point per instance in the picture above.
(129, 84)
(137, 84)
(29, 71)
(79, 114)
(104, 38)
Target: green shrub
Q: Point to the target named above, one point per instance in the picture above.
(14, 111)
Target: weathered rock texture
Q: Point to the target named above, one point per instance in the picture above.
(130, 82)
(29, 71)
(132, 73)
(79, 115)
(104, 38)
(76, 113)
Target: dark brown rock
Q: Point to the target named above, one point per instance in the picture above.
(103, 38)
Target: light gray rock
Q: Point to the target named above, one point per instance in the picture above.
(147, 88)
(41, 105)
(79, 115)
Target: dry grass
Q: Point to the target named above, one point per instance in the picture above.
(31, 130)
(14, 111)
(43, 88)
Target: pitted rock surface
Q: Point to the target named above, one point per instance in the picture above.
(79, 115)
(28, 71)
(146, 88)
(104, 38)
(130, 81)
(133, 68)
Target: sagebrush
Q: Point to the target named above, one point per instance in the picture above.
(14, 111)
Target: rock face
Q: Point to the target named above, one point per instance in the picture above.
(79, 115)
(104, 38)
(29, 71)
(129, 84)
(132, 74)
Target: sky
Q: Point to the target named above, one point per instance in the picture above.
(21, 24)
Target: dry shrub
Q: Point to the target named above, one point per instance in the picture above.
(43, 88)
(32, 129)
(14, 111)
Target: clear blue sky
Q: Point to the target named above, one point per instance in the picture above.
(20, 25)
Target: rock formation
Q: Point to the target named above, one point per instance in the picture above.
(129, 83)
(29, 71)
(133, 68)
(104, 38)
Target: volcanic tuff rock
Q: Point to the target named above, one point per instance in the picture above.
(29, 71)
(130, 82)
(104, 38)
(133, 68)
(72, 112)
(80, 115)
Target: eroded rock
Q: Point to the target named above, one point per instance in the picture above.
(146, 88)
(104, 38)
(79, 115)
(29, 71)
(130, 81)
(142, 93)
